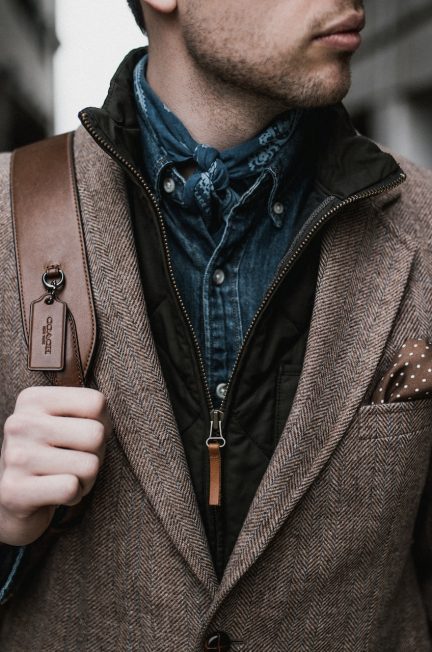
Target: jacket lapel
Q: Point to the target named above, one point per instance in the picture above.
(127, 369)
(364, 268)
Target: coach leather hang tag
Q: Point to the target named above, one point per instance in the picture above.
(47, 336)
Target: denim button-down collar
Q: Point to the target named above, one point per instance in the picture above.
(261, 158)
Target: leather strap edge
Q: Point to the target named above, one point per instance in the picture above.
(74, 188)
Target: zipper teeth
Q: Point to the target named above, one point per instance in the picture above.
(281, 274)
(138, 175)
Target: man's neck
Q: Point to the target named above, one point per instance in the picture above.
(215, 113)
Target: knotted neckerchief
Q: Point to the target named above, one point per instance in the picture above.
(215, 170)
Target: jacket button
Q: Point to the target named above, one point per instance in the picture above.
(219, 642)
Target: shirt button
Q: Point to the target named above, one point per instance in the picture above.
(169, 185)
(221, 390)
(219, 642)
(218, 277)
(278, 208)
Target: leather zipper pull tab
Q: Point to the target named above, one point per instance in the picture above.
(215, 475)
(214, 443)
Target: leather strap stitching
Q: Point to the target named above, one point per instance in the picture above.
(72, 180)
(17, 257)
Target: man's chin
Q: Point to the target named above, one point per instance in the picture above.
(334, 83)
(323, 90)
(326, 97)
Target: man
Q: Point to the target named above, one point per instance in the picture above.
(256, 267)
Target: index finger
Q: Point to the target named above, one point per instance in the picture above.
(82, 402)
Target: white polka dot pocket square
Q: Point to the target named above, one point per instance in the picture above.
(410, 374)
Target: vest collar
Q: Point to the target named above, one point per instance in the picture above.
(344, 162)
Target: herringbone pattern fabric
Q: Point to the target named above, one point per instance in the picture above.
(324, 562)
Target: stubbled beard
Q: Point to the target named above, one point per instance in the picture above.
(282, 82)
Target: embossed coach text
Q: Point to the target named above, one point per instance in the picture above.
(47, 335)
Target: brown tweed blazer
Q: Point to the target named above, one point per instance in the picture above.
(325, 560)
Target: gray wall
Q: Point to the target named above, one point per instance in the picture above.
(391, 97)
(27, 46)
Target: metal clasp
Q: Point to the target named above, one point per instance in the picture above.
(53, 285)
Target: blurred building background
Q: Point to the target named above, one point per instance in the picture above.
(27, 45)
(391, 96)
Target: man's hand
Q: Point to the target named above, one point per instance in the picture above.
(53, 448)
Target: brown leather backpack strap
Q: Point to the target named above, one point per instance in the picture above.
(49, 240)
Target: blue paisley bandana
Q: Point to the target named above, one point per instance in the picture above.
(216, 170)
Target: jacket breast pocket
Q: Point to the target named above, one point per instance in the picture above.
(393, 420)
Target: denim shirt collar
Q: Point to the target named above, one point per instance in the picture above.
(267, 161)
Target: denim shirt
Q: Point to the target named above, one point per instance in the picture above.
(225, 250)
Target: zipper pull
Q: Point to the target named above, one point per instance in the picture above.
(214, 443)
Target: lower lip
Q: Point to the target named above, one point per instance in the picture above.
(347, 41)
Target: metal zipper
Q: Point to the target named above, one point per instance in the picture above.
(292, 259)
(216, 416)
(108, 148)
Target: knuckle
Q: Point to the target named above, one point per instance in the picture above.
(28, 396)
(15, 456)
(91, 466)
(71, 489)
(14, 425)
(98, 401)
(8, 492)
(97, 435)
